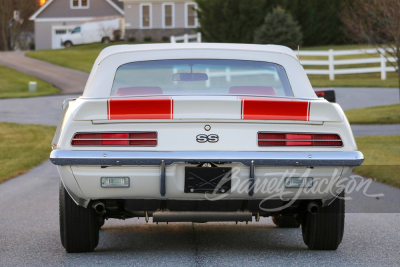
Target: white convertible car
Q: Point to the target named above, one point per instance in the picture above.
(202, 133)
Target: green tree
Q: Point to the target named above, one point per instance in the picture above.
(320, 20)
(235, 21)
(279, 28)
(230, 21)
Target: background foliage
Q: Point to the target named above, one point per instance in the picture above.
(230, 21)
(279, 28)
(236, 20)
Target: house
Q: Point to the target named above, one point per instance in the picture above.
(57, 17)
(159, 19)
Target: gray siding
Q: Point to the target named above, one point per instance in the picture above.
(62, 8)
(132, 15)
(179, 15)
(157, 16)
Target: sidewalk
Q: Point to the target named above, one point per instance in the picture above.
(68, 80)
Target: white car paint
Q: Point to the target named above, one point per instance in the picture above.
(191, 113)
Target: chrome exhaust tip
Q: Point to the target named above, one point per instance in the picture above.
(99, 207)
(313, 207)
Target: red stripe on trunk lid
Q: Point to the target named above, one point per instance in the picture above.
(256, 108)
(140, 108)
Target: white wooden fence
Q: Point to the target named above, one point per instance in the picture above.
(332, 62)
(186, 38)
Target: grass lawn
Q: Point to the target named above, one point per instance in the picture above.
(79, 57)
(16, 84)
(375, 115)
(382, 158)
(82, 58)
(22, 147)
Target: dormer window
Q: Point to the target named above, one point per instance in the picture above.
(76, 4)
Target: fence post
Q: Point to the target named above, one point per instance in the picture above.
(331, 65)
(185, 38)
(199, 37)
(382, 51)
(208, 82)
(228, 74)
(172, 39)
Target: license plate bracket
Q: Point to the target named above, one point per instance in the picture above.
(206, 179)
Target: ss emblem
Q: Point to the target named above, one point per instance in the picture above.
(203, 138)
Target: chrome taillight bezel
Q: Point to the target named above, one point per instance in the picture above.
(116, 132)
(301, 140)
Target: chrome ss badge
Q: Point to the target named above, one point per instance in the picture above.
(211, 138)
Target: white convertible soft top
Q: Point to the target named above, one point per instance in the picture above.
(118, 49)
(111, 58)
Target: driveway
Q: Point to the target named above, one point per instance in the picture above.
(354, 98)
(29, 234)
(68, 80)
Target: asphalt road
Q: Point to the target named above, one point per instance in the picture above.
(29, 230)
(29, 235)
(68, 80)
(354, 98)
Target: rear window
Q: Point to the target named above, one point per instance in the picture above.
(201, 77)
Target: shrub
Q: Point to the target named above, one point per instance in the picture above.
(165, 39)
(147, 39)
(279, 28)
(131, 39)
(32, 46)
(117, 35)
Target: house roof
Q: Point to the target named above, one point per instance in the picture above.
(48, 3)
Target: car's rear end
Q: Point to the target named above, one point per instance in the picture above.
(206, 132)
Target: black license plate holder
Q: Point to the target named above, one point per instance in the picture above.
(206, 179)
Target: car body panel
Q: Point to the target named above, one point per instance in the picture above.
(179, 119)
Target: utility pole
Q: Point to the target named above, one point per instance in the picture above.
(11, 22)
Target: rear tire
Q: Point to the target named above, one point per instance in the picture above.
(101, 222)
(79, 226)
(324, 230)
(285, 222)
(67, 44)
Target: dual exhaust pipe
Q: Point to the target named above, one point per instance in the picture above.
(313, 207)
(99, 207)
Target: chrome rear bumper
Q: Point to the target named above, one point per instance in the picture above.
(132, 158)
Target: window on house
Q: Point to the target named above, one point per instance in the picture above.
(79, 4)
(168, 12)
(146, 16)
(191, 15)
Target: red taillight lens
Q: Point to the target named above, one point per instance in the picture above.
(294, 139)
(115, 139)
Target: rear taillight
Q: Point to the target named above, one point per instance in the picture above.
(115, 139)
(297, 139)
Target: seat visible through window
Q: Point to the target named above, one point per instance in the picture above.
(252, 90)
(139, 91)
